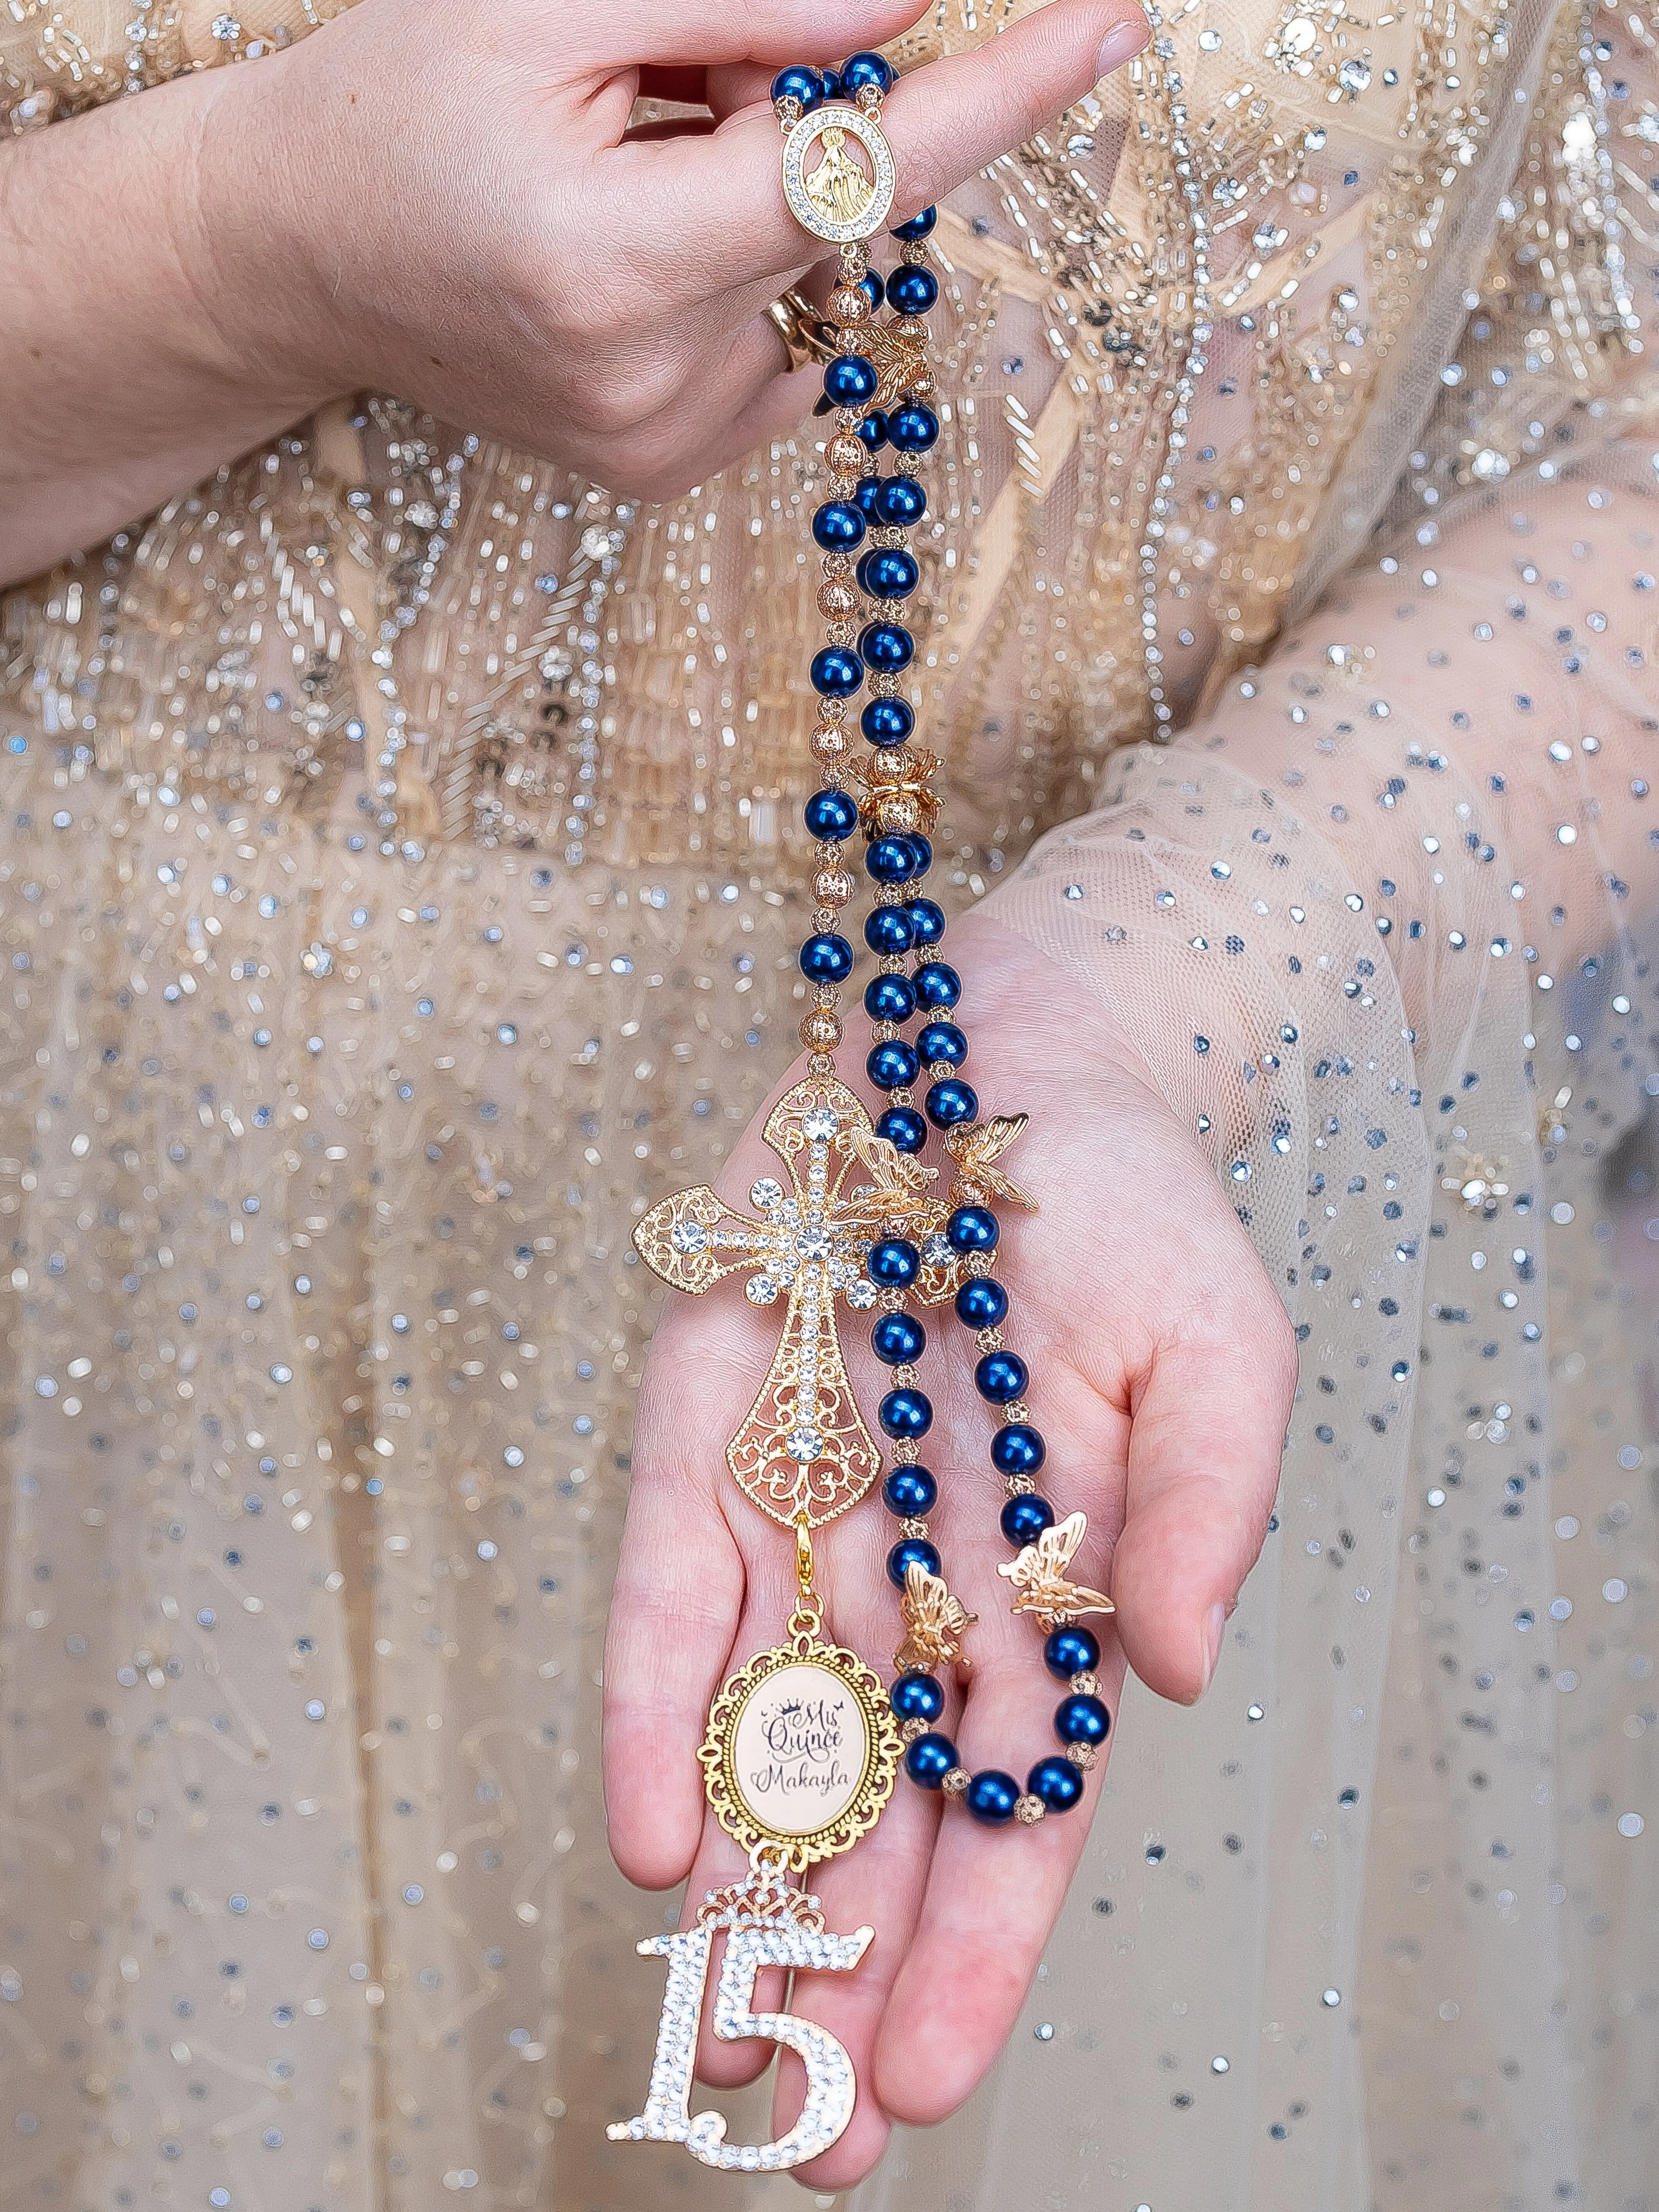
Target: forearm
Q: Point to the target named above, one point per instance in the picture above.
(149, 309)
(1457, 767)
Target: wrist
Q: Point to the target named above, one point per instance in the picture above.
(250, 217)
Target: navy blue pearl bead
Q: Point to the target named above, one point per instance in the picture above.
(1000, 1376)
(801, 83)
(867, 497)
(951, 1101)
(981, 1302)
(888, 572)
(912, 291)
(888, 929)
(830, 814)
(922, 848)
(827, 959)
(1024, 1519)
(860, 70)
(929, 1759)
(872, 288)
(892, 1066)
(837, 674)
(896, 1338)
(1056, 1781)
(899, 501)
(942, 1041)
(926, 920)
(907, 1413)
(913, 429)
(916, 1698)
(894, 1263)
(911, 1551)
(890, 860)
(889, 999)
(838, 526)
(1081, 1720)
(903, 1129)
(973, 1229)
(849, 380)
(938, 985)
(1071, 1651)
(873, 428)
(887, 647)
(910, 1491)
(887, 722)
(1017, 1450)
(918, 226)
(991, 1797)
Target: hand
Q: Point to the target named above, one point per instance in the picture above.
(481, 234)
(1162, 1374)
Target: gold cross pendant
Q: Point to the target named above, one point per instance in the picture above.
(803, 1454)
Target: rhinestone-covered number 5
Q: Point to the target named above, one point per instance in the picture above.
(830, 2087)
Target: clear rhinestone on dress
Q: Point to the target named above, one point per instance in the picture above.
(761, 1289)
(766, 1193)
(803, 1444)
(820, 1124)
(861, 1294)
(688, 1236)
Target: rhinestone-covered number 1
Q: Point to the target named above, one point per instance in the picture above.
(830, 2087)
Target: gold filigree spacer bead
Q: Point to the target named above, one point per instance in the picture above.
(846, 451)
(832, 887)
(911, 1729)
(1028, 1810)
(837, 600)
(831, 745)
(955, 1780)
(848, 305)
(1081, 1755)
(1085, 1685)
(821, 1030)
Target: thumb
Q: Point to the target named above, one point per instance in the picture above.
(1205, 1444)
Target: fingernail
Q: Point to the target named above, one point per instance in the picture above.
(1214, 1628)
(1121, 41)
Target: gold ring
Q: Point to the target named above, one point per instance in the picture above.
(806, 334)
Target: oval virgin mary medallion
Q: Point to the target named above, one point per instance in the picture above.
(837, 190)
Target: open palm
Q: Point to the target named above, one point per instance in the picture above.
(1162, 1370)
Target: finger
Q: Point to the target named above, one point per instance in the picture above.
(741, 394)
(992, 1897)
(945, 122)
(696, 33)
(1205, 1445)
(679, 1590)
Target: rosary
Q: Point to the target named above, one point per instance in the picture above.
(803, 1743)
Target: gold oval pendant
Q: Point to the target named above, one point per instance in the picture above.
(801, 1749)
(838, 196)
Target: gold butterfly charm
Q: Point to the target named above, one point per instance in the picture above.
(935, 1622)
(1039, 1575)
(973, 1145)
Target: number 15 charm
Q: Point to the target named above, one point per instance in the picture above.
(786, 1941)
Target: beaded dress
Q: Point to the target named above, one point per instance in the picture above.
(399, 887)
